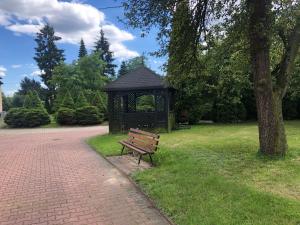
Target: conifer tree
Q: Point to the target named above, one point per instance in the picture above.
(99, 102)
(82, 49)
(102, 46)
(32, 100)
(1, 82)
(48, 56)
(81, 100)
(68, 101)
(123, 69)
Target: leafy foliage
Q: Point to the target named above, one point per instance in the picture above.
(145, 103)
(85, 75)
(7, 102)
(135, 62)
(131, 64)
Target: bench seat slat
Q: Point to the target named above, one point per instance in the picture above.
(142, 144)
(135, 148)
(138, 146)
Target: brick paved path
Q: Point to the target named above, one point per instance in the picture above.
(50, 176)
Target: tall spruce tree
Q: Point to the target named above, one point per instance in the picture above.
(102, 46)
(47, 56)
(68, 101)
(123, 69)
(82, 49)
(32, 100)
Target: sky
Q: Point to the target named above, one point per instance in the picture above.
(20, 20)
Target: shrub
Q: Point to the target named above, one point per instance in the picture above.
(32, 100)
(88, 115)
(68, 101)
(229, 112)
(81, 101)
(15, 117)
(37, 117)
(66, 116)
(23, 117)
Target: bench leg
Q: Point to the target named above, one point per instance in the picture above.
(140, 158)
(122, 150)
(151, 159)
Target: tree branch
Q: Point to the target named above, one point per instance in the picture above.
(284, 69)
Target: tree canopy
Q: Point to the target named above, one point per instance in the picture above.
(268, 33)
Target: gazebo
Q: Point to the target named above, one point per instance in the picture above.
(140, 99)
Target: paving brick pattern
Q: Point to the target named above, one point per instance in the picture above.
(50, 176)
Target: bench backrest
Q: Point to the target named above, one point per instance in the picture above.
(142, 139)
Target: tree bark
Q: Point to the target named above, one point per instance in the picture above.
(272, 136)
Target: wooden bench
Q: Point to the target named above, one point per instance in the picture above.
(141, 142)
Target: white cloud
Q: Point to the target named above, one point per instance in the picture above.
(71, 20)
(11, 93)
(43, 85)
(36, 73)
(33, 74)
(24, 28)
(15, 66)
(2, 71)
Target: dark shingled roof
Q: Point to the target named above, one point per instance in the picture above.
(137, 79)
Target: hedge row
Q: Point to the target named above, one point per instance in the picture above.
(24, 117)
(87, 115)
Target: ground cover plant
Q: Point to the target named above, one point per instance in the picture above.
(212, 174)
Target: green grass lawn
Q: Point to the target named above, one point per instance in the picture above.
(212, 174)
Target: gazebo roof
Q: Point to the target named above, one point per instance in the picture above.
(140, 78)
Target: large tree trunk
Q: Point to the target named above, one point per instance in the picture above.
(269, 102)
